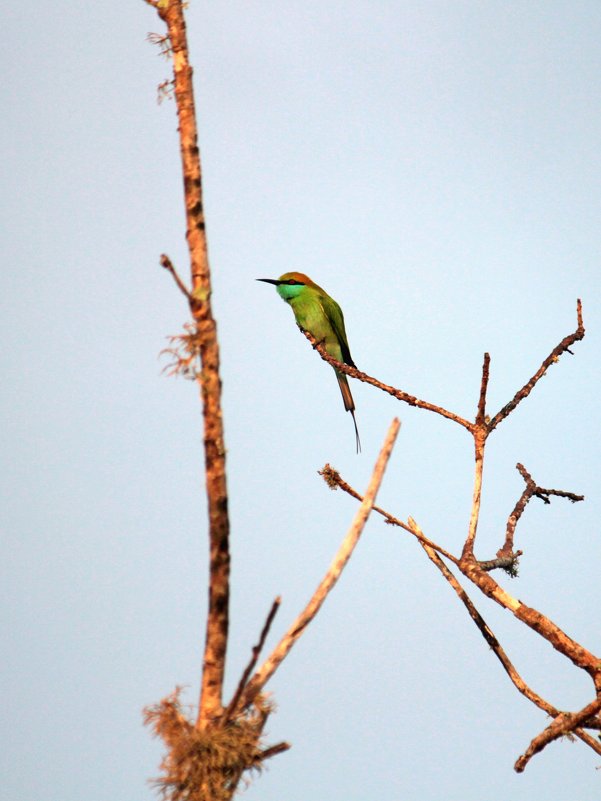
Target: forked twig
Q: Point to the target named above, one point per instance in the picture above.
(531, 490)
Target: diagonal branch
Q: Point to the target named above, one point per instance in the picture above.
(345, 551)
(333, 479)
(564, 723)
(498, 650)
(486, 632)
(552, 358)
(396, 393)
(256, 652)
(168, 265)
(541, 624)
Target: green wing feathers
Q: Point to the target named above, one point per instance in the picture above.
(336, 318)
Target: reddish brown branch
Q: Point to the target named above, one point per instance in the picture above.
(481, 413)
(486, 632)
(499, 652)
(564, 723)
(168, 265)
(552, 358)
(396, 393)
(539, 623)
(273, 750)
(333, 479)
(531, 490)
(210, 706)
(256, 651)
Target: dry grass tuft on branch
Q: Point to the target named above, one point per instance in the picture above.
(203, 764)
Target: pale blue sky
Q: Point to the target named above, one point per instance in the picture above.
(435, 166)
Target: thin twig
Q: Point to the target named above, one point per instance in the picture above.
(333, 479)
(564, 723)
(396, 393)
(271, 664)
(168, 265)
(256, 652)
(273, 750)
(552, 358)
(481, 414)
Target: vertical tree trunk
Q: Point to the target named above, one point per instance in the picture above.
(210, 706)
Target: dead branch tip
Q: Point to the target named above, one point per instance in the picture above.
(563, 347)
(330, 476)
(564, 724)
(168, 265)
(256, 652)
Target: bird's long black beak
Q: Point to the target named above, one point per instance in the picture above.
(269, 281)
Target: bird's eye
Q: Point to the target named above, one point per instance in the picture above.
(292, 282)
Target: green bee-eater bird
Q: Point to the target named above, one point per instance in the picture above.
(319, 314)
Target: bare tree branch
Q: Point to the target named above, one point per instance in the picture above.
(552, 358)
(396, 393)
(485, 630)
(347, 547)
(538, 622)
(480, 434)
(209, 382)
(564, 723)
(333, 479)
(481, 413)
(498, 650)
(248, 709)
(274, 750)
(532, 489)
(253, 661)
(168, 265)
